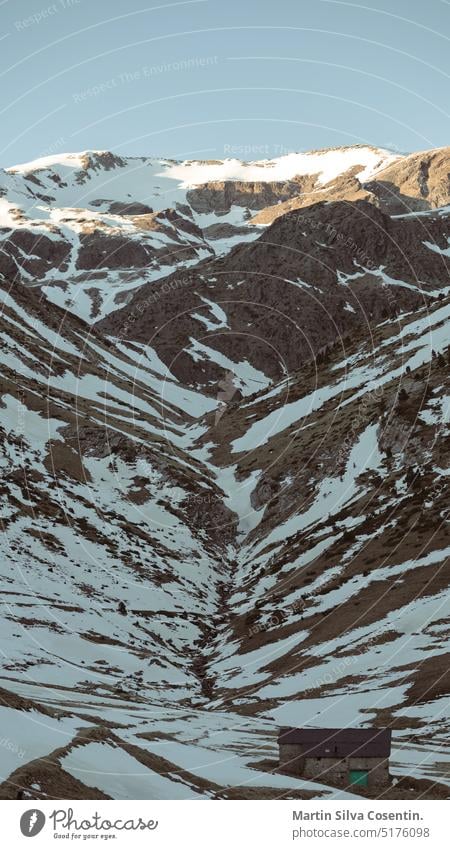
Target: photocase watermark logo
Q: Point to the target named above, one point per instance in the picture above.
(65, 824)
(32, 822)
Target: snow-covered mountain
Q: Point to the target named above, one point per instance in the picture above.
(224, 505)
(314, 277)
(90, 227)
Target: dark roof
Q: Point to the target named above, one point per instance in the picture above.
(339, 742)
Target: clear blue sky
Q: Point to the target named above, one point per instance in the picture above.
(211, 78)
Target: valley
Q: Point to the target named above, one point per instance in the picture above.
(224, 424)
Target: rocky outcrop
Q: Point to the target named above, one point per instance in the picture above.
(26, 254)
(219, 197)
(116, 207)
(311, 279)
(416, 183)
(413, 183)
(127, 216)
(345, 188)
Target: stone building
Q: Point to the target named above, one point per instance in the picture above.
(343, 756)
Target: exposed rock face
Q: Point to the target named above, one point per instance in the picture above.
(25, 254)
(345, 188)
(312, 278)
(116, 207)
(93, 161)
(142, 219)
(220, 197)
(111, 250)
(223, 231)
(99, 251)
(413, 183)
(419, 182)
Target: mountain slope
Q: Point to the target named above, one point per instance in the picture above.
(341, 601)
(225, 505)
(90, 227)
(312, 278)
(111, 572)
(179, 590)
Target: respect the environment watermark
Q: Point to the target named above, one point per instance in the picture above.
(257, 150)
(142, 74)
(44, 14)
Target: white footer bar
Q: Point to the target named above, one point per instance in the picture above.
(225, 824)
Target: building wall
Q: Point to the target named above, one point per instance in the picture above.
(335, 770)
(292, 759)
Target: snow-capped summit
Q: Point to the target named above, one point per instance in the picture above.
(92, 226)
(326, 165)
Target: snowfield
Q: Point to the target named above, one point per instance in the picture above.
(189, 564)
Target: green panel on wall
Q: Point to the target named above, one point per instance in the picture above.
(359, 776)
